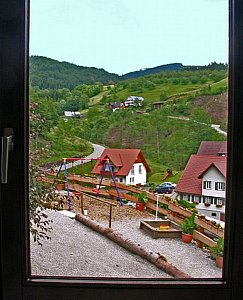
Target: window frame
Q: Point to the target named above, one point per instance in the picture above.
(207, 185)
(15, 280)
(220, 186)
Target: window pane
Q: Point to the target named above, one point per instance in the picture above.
(123, 138)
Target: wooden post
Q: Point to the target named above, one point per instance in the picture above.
(82, 202)
(110, 216)
(200, 244)
(157, 259)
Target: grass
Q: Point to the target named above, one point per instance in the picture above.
(156, 178)
(171, 90)
(159, 171)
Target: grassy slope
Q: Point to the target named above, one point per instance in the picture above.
(172, 91)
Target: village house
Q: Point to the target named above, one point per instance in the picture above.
(134, 101)
(72, 114)
(158, 105)
(116, 106)
(128, 166)
(203, 181)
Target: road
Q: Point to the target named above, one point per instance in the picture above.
(97, 151)
(213, 126)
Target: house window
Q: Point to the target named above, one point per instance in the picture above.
(185, 197)
(131, 179)
(196, 199)
(219, 202)
(207, 185)
(133, 170)
(140, 169)
(213, 215)
(207, 200)
(120, 179)
(220, 186)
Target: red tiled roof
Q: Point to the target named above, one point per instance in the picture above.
(123, 159)
(191, 179)
(212, 148)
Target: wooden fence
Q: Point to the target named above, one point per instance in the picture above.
(206, 230)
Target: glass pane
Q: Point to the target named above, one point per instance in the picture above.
(128, 128)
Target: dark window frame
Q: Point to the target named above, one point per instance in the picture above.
(218, 184)
(207, 185)
(15, 280)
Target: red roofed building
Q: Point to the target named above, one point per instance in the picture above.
(203, 182)
(128, 165)
(218, 148)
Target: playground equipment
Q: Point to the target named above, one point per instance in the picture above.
(106, 167)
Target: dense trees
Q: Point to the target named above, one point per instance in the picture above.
(48, 73)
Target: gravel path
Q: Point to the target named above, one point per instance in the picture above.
(76, 250)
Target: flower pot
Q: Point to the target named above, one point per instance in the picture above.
(219, 261)
(140, 206)
(60, 186)
(186, 238)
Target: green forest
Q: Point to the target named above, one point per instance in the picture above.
(191, 100)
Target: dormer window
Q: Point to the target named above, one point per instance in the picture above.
(207, 185)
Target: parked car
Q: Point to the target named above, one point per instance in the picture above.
(165, 188)
(172, 183)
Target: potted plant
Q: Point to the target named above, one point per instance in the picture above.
(60, 182)
(142, 199)
(187, 226)
(218, 252)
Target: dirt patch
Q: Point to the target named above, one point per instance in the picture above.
(99, 211)
(215, 106)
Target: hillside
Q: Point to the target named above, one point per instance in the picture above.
(191, 100)
(148, 71)
(47, 73)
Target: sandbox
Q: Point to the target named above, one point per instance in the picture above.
(161, 228)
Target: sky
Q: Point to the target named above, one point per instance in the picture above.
(122, 36)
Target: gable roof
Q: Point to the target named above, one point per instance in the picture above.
(191, 179)
(123, 159)
(212, 148)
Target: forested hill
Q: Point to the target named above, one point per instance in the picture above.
(47, 73)
(148, 71)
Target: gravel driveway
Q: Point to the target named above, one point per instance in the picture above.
(76, 250)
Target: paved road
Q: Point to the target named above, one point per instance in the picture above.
(214, 126)
(97, 151)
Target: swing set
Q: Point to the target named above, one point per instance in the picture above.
(107, 166)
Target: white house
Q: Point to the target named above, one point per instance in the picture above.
(134, 101)
(128, 166)
(203, 182)
(72, 114)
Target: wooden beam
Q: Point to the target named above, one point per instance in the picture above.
(198, 236)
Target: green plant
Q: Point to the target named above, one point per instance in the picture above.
(143, 198)
(188, 224)
(218, 249)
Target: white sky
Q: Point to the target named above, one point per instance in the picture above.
(121, 36)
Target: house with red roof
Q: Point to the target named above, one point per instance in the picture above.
(218, 148)
(204, 180)
(128, 166)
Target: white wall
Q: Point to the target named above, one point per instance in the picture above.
(212, 213)
(213, 175)
(137, 178)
